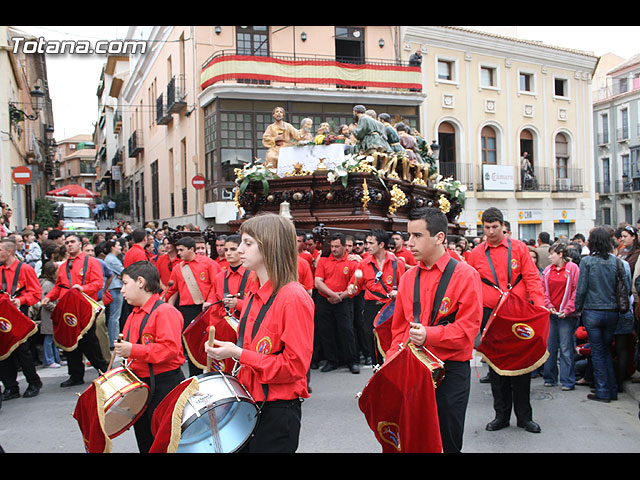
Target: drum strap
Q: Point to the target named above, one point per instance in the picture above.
(378, 278)
(440, 291)
(142, 325)
(493, 270)
(243, 283)
(14, 285)
(243, 323)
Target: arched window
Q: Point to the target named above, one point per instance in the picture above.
(562, 156)
(489, 146)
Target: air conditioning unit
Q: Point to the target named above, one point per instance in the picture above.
(564, 184)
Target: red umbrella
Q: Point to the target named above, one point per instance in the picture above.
(72, 191)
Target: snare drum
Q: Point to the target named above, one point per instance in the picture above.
(219, 418)
(126, 399)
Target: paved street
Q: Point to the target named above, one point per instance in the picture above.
(332, 422)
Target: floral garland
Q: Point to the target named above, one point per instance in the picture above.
(354, 163)
(454, 188)
(254, 173)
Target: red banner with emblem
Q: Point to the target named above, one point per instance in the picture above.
(89, 413)
(197, 334)
(399, 403)
(15, 327)
(514, 341)
(72, 317)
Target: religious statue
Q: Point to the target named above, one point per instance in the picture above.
(368, 132)
(278, 134)
(305, 130)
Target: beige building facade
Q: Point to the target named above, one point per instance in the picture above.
(75, 162)
(490, 98)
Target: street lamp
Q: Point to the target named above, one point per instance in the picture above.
(435, 149)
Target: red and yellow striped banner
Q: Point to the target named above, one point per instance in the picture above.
(247, 67)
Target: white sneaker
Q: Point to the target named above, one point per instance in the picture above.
(54, 365)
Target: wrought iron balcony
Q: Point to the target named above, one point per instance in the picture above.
(463, 172)
(176, 94)
(568, 180)
(540, 181)
(135, 143)
(162, 116)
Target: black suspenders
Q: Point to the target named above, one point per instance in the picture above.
(493, 270)
(440, 291)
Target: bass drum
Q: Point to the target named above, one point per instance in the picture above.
(220, 418)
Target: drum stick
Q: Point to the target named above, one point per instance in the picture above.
(358, 275)
(113, 354)
(212, 334)
(164, 295)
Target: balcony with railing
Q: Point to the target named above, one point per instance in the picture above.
(568, 180)
(316, 71)
(463, 172)
(163, 117)
(176, 94)
(135, 143)
(538, 181)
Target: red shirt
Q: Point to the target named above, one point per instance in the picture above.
(224, 264)
(135, 254)
(557, 282)
(307, 256)
(27, 278)
(529, 288)
(335, 273)
(305, 276)
(452, 341)
(234, 279)
(165, 265)
(93, 279)
(280, 353)
(368, 280)
(161, 343)
(204, 270)
(407, 255)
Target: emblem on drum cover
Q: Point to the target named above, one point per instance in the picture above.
(70, 319)
(523, 331)
(264, 346)
(147, 338)
(5, 325)
(445, 306)
(390, 433)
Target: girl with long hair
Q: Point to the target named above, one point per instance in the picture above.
(275, 333)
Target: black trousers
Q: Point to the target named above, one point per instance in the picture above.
(278, 430)
(336, 331)
(509, 391)
(189, 312)
(452, 397)
(359, 325)
(90, 348)
(163, 383)
(371, 309)
(20, 357)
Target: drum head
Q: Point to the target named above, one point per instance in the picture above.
(385, 313)
(224, 419)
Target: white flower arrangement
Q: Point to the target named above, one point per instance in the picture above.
(453, 187)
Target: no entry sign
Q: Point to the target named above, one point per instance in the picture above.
(198, 182)
(21, 175)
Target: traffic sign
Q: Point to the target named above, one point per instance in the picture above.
(198, 182)
(21, 175)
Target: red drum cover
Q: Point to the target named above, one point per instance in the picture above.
(72, 317)
(15, 327)
(382, 327)
(166, 423)
(197, 334)
(399, 403)
(515, 339)
(89, 413)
